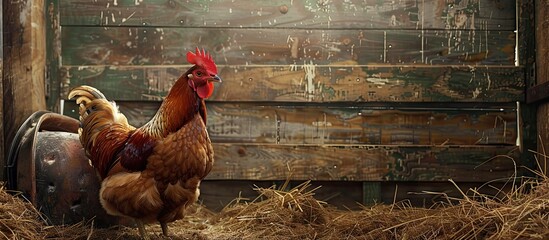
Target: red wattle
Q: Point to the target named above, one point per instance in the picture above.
(205, 91)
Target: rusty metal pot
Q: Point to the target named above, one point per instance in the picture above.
(47, 164)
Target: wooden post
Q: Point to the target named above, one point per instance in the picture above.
(1, 98)
(542, 76)
(24, 66)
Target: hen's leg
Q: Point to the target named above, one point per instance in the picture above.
(142, 231)
(164, 227)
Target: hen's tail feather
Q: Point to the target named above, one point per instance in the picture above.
(92, 100)
(104, 130)
(86, 93)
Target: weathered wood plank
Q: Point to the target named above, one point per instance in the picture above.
(426, 194)
(168, 46)
(542, 76)
(312, 83)
(406, 14)
(2, 157)
(23, 69)
(350, 124)
(53, 53)
(216, 194)
(366, 163)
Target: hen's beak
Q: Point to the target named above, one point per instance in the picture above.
(215, 78)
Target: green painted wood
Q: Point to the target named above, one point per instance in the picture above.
(319, 87)
(168, 46)
(309, 83)
(348, 124)
(431, 194)
(216, 194)
(404, 14)
(53, 52)
(364, 163)
(371, 193)
(345, 195)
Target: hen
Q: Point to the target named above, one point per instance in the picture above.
(151, 173)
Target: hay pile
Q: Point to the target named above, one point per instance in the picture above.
(296, 214)
(18, 219)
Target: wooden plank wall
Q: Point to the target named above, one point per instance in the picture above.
(334, 90)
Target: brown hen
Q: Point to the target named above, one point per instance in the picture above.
(151, 173)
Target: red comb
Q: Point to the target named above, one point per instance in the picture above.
(202, 59)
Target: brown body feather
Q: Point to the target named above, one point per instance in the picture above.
(153, 172)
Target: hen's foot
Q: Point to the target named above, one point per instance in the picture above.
(164, 227)
(142, 231)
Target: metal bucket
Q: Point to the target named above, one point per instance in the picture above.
(47, 164)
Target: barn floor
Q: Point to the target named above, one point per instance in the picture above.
(296, 214)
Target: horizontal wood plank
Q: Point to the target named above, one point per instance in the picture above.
(349, 125)
(366, 163)
(310, 83)
(216, 194)
(404, 14)
(168, 46)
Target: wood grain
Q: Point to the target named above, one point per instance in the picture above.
(23, 73)
(298, 84)
(542, 76)
(326, 90)
(2, 156)
(347, 125)
(365, 163)
(168, 46)
(405, 14)
(53, 54)
(216, 194)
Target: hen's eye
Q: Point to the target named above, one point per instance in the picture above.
(199, 74)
